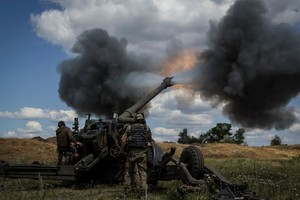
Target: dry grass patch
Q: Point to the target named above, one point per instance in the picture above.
(25, 151)
(225, 150)
(272, 172)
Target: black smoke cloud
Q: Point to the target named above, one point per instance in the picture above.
(94, 80)
(252, 67)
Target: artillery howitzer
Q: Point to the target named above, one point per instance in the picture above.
(99, 159)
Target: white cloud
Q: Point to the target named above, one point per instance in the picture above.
(167, 109)
(38, 113)
(254, 132)
(165, 131)
(158, 139)
(147, 24)
(33, 128)
(295, 127)
(52, 128)
(35, 117)
(10, 134)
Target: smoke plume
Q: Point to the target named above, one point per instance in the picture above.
(252, 67)
(98, 80)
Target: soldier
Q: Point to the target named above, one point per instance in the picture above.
(136, 137)
(64, 138)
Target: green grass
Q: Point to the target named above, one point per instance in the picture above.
(25, 189)
(275, 180)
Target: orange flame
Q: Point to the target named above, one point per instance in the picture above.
(183, 62)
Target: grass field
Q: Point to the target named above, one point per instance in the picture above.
(271, 172)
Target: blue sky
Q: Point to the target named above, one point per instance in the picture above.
(27, 60)
(37, 35)
(28, 63)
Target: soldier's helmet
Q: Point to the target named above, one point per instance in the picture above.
(61, 123)
(139, 116)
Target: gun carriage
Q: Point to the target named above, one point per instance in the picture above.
(99, 159)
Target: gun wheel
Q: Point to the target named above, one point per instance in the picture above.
(115, 151)
(193, 158)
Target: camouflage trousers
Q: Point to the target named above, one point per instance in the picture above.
(64, 156)
(135, 178)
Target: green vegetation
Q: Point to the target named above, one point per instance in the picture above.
(276, 141)
(272, 172)
(276, 180)
(220, 133)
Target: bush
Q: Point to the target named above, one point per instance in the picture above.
(276, 141)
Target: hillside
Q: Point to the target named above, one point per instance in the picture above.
(29, 150)
(224, 151)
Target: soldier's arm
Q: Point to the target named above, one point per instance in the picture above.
(149, 134)
(124, 139)
(71, 137)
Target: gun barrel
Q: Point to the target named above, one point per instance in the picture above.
(167, 82)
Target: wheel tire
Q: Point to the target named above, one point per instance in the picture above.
(193, 158)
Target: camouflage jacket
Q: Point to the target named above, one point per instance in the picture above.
(64, 136)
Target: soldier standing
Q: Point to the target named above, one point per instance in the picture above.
(64, 138)
(136, 137)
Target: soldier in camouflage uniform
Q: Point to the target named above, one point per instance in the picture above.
(64, 138)
(136, 138)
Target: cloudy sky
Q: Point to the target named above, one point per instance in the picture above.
(62, 58)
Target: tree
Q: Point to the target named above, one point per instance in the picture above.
(193, 140)
(218, 133)
(276, 141)
(183, 137)
(203, 138)
(222, 133)
(238, 137)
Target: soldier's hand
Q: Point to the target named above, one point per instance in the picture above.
(79, 143)
(124, 138)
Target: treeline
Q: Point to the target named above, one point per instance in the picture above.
(221, 133)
